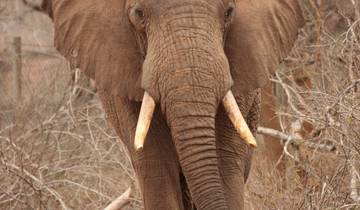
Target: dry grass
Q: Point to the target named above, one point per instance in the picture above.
(57, 152)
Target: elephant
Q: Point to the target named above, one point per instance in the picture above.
(180, 81)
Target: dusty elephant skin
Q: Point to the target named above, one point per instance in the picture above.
(186, 55)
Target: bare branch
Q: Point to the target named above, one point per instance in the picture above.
(39, 182)
(121, 201)
(294, 139)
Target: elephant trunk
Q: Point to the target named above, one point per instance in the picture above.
(190, 78)
(191, 118)
(187, 72)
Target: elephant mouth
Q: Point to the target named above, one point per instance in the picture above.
(229, 103)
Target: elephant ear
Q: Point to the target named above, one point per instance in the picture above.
(96, 36)
(260, 37)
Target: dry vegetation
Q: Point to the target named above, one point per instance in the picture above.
(323, 167)
(57, 152)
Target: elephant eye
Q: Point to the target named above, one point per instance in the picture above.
(229, 12)
(137, 17)
(139, 13)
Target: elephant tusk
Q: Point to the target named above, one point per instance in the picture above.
(120, 202)
(238, 120)
(143, 125)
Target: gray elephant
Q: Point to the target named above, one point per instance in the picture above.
(177, 80)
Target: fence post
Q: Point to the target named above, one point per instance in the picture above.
(17, 68)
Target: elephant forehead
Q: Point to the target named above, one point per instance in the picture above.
(160, 7)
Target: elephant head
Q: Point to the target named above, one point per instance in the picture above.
(184, 56)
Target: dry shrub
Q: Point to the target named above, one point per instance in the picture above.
(64, 157)
(323, 167)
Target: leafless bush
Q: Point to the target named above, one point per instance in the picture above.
(323, 165)
(63, 159)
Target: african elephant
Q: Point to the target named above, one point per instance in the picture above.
(168, 73)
